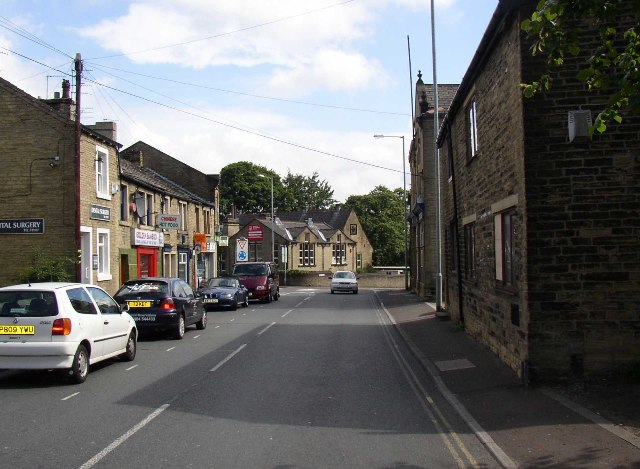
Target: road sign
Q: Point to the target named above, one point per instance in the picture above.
(242, 250)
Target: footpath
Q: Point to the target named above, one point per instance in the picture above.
(523, 427)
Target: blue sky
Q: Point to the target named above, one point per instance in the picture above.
(289, 85)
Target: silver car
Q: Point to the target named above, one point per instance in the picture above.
(344, 280)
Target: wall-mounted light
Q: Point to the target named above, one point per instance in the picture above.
(53, 161)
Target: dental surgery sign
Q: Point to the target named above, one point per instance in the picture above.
(22, 226)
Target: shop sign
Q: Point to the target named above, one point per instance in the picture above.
(223, 241)
(22, 226)
(255, 233)
(166, 221)
(200, 240)
(147, 238)
(99, 212)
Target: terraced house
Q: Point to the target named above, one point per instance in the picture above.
(68, 194)
(539, 219)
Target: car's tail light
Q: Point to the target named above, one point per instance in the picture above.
(61, 326)
(167, 304)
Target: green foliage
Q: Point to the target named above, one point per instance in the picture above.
(613, 67)
(308, 192)
(242, 185)
(381, 213)
(45, 268)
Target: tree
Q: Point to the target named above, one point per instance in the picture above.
(308, 192)
(613, 67)
(381, 213)
(46, 268)
(242, 186)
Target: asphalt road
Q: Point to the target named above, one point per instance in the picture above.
(313, 380)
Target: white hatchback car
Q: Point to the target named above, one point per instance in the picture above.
(344, 280)
(67, 326)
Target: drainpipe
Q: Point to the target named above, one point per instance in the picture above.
(78, 133)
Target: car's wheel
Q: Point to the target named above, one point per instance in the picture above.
(202, 324)
(276, 297)
(355, 292)
(179, 333)
(234, 306)
(80, 368)
(269, 298)
(246, 302)
(132, 347)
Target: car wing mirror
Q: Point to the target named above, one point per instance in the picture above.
(124, 308)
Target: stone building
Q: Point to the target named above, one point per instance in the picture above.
(98, 211)
(540, 222)
(315, 241)
(422, 194)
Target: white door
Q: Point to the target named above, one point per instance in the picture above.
(86, 272)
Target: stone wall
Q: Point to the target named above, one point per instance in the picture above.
(323, 279)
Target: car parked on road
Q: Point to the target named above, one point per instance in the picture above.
(344, 280)
(161, 304)
(224, 292)
(260, 278)
(59, 325)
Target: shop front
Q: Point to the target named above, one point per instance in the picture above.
(148, 245)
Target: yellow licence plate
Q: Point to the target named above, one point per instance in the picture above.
(139, 304)
(16, 329)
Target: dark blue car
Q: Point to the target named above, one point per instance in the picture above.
(224, 292)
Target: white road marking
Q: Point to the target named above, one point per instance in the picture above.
(266, 328)
(98, 457)
(196, 336)
(285, 314)
(170, 349)
(70, 396)
(130, 368)
(229, 357)
(216, 327)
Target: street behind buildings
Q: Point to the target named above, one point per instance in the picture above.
(313, 380)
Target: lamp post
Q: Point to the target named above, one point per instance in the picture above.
(272, 221)
(404, 203)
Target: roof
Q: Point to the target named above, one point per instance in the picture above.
(336, 218)
(152, 180)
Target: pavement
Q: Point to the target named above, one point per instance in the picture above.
(522, 426)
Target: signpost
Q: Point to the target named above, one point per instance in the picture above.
(242, 250)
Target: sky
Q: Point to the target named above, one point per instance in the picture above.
(293, 86)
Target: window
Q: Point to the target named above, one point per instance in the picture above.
(307, 252)
(470, 250)
(81, 301)
(149, 217)
(124, 202)
(359, 261)
(183, 216)
(472, 129)
(105, 303)
(104, 267)
(255, 250)
(353, 229)
(166, 204)
(102, 173)
(339, 252)
(183, 261)
(505, 229)
(197, 209)
(207, 221)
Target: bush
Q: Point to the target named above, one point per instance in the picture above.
(45, 268)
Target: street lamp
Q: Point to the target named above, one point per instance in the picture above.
(272, 221)
(404, 203)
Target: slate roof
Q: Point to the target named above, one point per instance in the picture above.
(152, 180)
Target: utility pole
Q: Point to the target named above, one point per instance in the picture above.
(78, 133)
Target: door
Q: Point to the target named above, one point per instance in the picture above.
(115, 326)
(89, 319)
(147, 262)
(86, 272)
